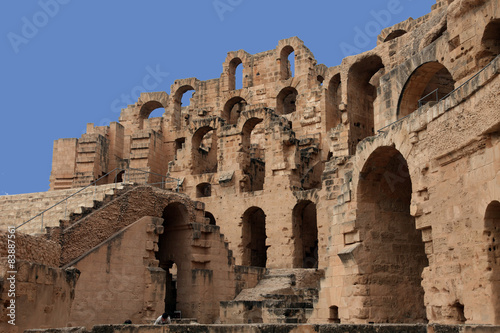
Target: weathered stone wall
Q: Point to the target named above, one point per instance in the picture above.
(43, 295)
(31, 248)
(120, 278)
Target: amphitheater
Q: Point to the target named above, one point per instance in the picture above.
(363, 197)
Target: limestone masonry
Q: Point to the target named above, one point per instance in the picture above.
(367, 192)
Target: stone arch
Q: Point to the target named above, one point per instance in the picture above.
(362, 84)
(492, 237)
(394, 34)
(204, 150)
(392, 252)
(148, 107)
(490, 43)
(232, 109)
(305, 234)
(179, 88)
(286, 101)
(203, 190)
(253, 238)
(210, 217)
(421, 87)
(233, 66)
(170, 253)
(286, 68)
(252, 161)
(333, 97)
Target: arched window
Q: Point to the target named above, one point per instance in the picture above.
(427, 85)
(210, 217)
(203, 190)
(204, 153)
(252, 160)
(287, 60)
(362, 96)
(232, 109)
(182, 98)
(235, 74)
(151, 109)
(332, 99)
(286, 100)
(490, 43)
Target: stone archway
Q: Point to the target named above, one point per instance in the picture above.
(254, 238)
(392, 256)
(305, 233)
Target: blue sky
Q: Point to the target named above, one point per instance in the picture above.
(66, 63)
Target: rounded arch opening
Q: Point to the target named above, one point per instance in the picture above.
(233, 108)
(332, 100)
(392, 252)
(203, 190)
(210, 217)
(182, 98)
(492, 238)
(252, 160)
(169, 255)
(426, 85)
(287, 61)
(151, 109)
(362, 99)
(490, 43)
(253, 240)
(235, 74)
(286, 101)
(204, 150)
(305, 234)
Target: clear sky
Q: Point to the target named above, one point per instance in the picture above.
(66, 63)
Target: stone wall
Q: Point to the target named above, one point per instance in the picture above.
(32, 249)
(43, 295)
(120, 279)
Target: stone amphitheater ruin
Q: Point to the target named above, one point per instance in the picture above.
(361, 194)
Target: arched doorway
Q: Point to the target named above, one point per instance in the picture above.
(492, 235)
(392, 256)
(170, 254)
(305, 234)
(254, 250)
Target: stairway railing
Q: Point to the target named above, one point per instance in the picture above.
(164, 180)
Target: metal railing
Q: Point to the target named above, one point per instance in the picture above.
(164, 180)
(424, 100)
(445, 96)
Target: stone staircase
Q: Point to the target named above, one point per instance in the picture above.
(16, 209)
(282, 296)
